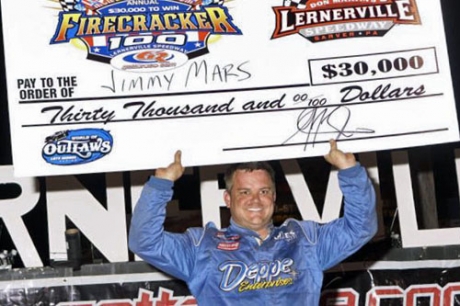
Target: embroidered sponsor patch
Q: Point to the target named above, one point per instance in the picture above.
(289, 236)
(226, 236)
(228, 246)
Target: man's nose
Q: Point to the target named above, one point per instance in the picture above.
(255, 197)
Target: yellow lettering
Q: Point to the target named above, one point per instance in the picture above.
(156, 24)
(139, 23)
(169, 21)
(68, 22)
(93, 26)
(109, 24)
(122, 24)
(185, 21)
(247, 286)
(201, 19)
(219, 21)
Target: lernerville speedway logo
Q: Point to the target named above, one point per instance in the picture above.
(72, 147)
(323, 20)
(143, 35)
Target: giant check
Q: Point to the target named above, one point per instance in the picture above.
(118, 85)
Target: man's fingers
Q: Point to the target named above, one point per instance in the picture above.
(333, 144)
(178, 157)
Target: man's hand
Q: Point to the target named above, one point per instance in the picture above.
(339, 159)
(174, 171)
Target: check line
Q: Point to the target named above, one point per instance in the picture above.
(312, 143)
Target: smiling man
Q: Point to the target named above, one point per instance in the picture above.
(252, 261)
(250, 195)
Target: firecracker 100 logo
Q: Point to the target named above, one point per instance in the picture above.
(322, 20)
(143, 35)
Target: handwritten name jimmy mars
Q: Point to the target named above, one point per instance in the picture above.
(198, 72)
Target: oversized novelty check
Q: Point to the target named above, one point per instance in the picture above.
(118, 85)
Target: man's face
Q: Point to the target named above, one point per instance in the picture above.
(252, 200)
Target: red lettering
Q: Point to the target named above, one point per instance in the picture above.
(450, 290)
(373, 296)
(433, 291)
(109, 303)
(144, 298)
(339, 297)
(76, 304)
(190, 302)
(165, 298)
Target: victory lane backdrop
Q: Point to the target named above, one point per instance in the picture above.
(111, 79)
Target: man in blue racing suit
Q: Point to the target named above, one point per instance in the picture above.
(253, 262)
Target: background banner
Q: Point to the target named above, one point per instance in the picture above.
(400, 283)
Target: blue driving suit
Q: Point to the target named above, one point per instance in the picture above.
(231, 267)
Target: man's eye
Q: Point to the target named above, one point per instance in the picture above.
(265, 191)
(244, 192)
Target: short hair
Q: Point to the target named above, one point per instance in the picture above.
(248, 167)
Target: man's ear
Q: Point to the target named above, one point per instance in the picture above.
(227, 198)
